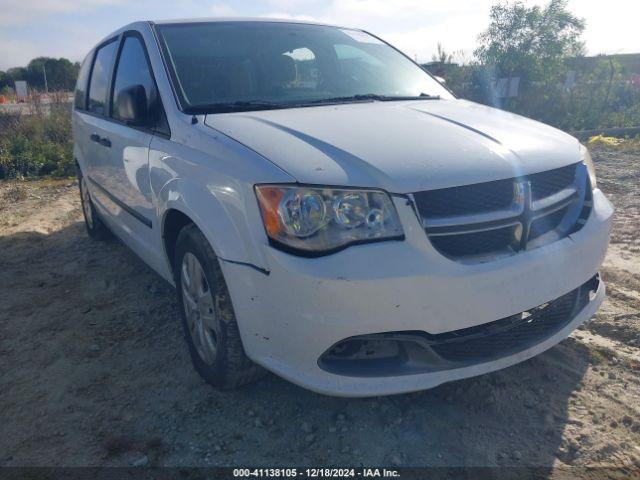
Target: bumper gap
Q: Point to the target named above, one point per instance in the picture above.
(413, 352)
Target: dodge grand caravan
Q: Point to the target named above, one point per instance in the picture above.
(329, 211)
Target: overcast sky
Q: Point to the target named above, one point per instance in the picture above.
(68, 28)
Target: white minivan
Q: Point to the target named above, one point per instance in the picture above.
(329, 211)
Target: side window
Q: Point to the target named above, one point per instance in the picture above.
(80, 98)
(133, 70)
(99, 85)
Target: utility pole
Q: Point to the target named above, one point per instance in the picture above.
(44, 71)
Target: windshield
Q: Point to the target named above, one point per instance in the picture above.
(230, 66)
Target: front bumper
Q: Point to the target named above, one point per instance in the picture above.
(289, 318)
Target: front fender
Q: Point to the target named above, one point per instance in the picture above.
(224, 214)
(209, 177)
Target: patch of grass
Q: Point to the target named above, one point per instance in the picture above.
(58, 181)
(11, 193)
(596, 357)
(37, 144)
(15, 193)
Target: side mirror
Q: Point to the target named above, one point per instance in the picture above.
(132, 105)
(440, 79)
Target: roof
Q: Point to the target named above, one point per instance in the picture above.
(242, 19)
(139, 24)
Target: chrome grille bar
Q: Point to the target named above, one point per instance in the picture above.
(561, 206)
(462, 222)
(556, 201)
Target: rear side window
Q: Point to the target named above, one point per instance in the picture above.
(80, 100)
(99, 85)
(133, 69)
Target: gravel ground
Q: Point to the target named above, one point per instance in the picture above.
(94, 370)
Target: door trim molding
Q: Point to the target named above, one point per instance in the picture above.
(138, 216)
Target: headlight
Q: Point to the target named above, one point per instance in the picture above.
(316, 220)
(588, 161)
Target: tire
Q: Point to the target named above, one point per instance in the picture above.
(212, 333)
(92, 221)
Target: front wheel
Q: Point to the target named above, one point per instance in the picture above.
(208, 318)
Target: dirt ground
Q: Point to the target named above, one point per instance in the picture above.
(94, 370)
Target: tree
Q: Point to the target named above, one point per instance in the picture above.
(442, 56)
(530, 42)
(534, 44)
(5, 80)
(61, 73)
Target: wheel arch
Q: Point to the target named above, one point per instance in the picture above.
(182, 202)
(173, 222)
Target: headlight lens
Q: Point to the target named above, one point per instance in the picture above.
(588, 161)
(317, 219)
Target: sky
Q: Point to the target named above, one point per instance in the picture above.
(69, 28)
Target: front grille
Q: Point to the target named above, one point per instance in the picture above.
(547, 223)
(411, 352)
(465, 200)
(475, 243)
(547, 183)
(475, 223)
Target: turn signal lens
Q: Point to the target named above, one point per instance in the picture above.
(269, 199)
(588, 161)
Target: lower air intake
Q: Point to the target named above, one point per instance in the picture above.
(412, 352)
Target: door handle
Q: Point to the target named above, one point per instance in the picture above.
(102, 141)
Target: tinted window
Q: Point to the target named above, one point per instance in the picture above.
(305, 64)
(81, 85)
(217, 64)
(350, 54)
(98, 88)
(133, 69)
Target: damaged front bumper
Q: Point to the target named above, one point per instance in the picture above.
(292, 320)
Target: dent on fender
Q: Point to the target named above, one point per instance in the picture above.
(214, 202)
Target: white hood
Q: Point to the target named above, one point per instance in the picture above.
(401, 147)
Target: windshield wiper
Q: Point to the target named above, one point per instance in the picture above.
(254, 105)
(422, 96)
(426, 96)
(240, 106)
(370, 97)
